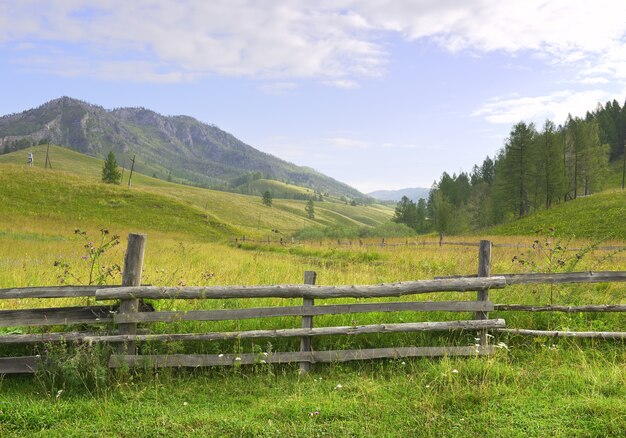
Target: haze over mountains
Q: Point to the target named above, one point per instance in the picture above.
(191, 151)
(413, 194)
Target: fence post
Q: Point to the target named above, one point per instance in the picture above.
(131, 276)
(484, 270)
(307, 321)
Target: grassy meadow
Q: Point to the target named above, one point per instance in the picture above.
(531, 387)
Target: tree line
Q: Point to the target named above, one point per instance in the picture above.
(535, 169)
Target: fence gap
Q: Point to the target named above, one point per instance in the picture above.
(484, 270)
(131, 276)
(307, 321)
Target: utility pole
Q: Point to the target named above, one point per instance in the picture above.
(624, 165)
(130, 177)
(48, 162)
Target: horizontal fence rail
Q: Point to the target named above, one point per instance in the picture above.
(329, 356)
(565, 334)
(56, 316)
(329, 309)
(50, 292)
(565, 309)
(385, 242)
(555, 277)
(303, 290)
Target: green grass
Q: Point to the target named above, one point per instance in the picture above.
(244, 213)
(31, 194)
(600, 216)
(518, 394)
(535, 387)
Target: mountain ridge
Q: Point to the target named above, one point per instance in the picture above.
(413, 193)
(193, 152)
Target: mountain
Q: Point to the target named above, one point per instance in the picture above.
(182, 147)
(395, 195)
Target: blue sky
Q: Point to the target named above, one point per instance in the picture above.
(379, 94)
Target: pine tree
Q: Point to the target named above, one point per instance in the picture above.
(310, 209)
(110, 170)
(406, 213)
(267, 198)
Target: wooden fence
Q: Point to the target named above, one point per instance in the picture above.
(396, 242)
(119, 323)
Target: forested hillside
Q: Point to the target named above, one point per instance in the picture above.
(535, 170)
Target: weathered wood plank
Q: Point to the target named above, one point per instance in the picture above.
(567, 309)
(303, 291)
(131, 276)
(56, 316)
(316, 331)
(306, 342)
(331, 309)
(555, 278)
(51, 292)
(19, 365)
(199, 360)
(566, 277)
(565, 334)
(252, 334)
(484, 270)
(42, 338)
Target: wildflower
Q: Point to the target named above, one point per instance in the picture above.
(264, 353)
(427, 386)
(455, 371)
(263, 361)
(220, 355)
(237, 358)
(185, 403)
(339, 386)
(403, 363)
(502, 345)
(312, 414)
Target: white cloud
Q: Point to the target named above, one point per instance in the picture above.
(336, 42)
(555, 106)
(348, 143)
(278, 88)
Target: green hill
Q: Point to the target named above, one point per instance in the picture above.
(601, 216)
(242, 214)
(65, 201)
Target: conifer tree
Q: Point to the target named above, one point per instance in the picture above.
(267, 198)
(110, 170)
(310, 209)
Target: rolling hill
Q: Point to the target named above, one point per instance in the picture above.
(191, 151)
(600, 216)
(227, 213)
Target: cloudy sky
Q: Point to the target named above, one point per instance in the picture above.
(379, 94)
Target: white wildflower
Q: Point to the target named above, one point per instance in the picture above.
(339, 386)
(455, 371)
(220, 355)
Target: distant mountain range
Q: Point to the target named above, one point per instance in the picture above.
(180, 147)
(395, 195)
